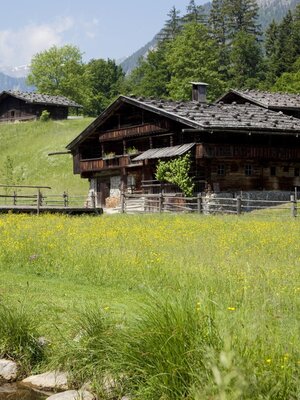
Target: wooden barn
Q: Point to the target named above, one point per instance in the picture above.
(234, 146)
(287, 103)
(22, 106)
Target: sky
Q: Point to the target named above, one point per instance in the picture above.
(100, 28)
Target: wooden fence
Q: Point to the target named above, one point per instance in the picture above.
(39, 199)
(202, 204)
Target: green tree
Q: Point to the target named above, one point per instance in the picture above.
(193, 55)
(242, 16)
(104, 80)
(59, 71)
(177, 171)
(194, 13)
(245, 61)
(172, 26)
(289, 82)
(152, 75)
(219, 31)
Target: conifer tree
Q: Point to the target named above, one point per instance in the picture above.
(172, 26)
(219, 31)
(194, 13)
(242, 16)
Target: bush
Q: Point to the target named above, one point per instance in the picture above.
(19, 337)
(45, 116)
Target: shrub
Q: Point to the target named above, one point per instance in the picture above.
(45, 116)
(19, 337)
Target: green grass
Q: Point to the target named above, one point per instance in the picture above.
(28, 145)
(167, 306)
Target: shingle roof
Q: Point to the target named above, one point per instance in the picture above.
(225, 116)
(268, 99)
(207, 117)
(164, 152)
(37, 98)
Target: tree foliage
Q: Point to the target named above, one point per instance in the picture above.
(104, 80)
(59, 71)
(177, 171)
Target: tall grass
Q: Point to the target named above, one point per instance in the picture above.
(19, 337)
(232, 281)
(28, 145)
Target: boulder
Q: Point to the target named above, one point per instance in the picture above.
(8, 370)
(53, 380)
(72, 395)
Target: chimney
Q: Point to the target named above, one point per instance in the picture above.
(199, 92)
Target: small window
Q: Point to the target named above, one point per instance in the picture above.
(248, 170)
(221, 169)
(297, 171)
(273, 171)
(286, 169)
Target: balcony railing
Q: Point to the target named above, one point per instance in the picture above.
(247, 152)
(104, 163)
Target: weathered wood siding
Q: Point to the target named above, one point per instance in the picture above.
(13, 109)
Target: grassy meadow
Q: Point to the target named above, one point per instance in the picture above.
(167, 306)
(27, 144)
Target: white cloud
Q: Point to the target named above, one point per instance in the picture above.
(18, 46)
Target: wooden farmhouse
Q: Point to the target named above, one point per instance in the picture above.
(287, 103)
(22, 106)
(233, 146)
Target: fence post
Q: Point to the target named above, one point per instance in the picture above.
(15, 199)
(38, 201)
(161, 202)
(199, 203)
(239, 205)
(293, 206)
(66, 199)
(93, 198)
(122, 202)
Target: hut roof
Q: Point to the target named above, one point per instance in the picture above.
(206, 117)
(37, 98)
(265, 99)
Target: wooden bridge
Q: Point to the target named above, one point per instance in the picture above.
(14, 200)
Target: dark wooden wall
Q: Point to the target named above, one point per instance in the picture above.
(12, 109)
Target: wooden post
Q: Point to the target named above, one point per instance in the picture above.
(38, 201)
(199, 203)
(66, 199)
(93, 198)
(15, 198)
(293, 206)
(160, 202)
(122, 202)
(239, 205)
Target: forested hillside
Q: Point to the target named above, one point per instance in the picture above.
(269, 10)
(224, 49)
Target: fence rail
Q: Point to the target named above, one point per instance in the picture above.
(202, 204)
(14, 198)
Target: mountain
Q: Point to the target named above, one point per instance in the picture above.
(11, 83)
(269, 10)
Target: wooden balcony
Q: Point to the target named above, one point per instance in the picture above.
(247, 152)
(102, 164)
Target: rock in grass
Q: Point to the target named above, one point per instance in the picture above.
(52, 380)
(72, 395)
(8, 370)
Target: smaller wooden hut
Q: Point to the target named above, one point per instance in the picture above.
(23, 106)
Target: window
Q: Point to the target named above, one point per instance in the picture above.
(297, 171)
(273, 171)
(248, 170)
(221, 169)
(286, 169)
